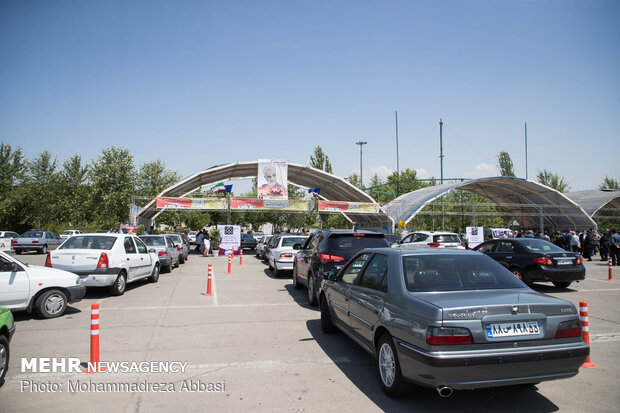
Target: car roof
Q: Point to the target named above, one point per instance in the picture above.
(435, 232)
(424, 251)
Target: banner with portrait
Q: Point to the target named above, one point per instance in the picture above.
(231, 239)
(272, 179)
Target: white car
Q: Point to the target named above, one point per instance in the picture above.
(192, 237)
(281, 254)
(106, 260)
(44, 290)
(69, 233)
(433, 239)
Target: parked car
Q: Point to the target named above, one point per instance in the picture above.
(392, 238)
(7, 240)
(536, 260)
(106, 260)
(433, 239)
(182, 244)
(248, 241)
(258, 235)
(30, 287)
(36, 240)
(7, 329)
(166, 249)
(192, 237)
(329, 251)
(69, 233)
(281, 253)
(450, 319)
(260, 247)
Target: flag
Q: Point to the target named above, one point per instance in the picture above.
(315, 190)
(228, 188)
(219, 188)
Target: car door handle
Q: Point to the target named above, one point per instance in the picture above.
(127, 259)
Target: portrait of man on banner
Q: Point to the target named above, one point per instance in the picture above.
(272, 179)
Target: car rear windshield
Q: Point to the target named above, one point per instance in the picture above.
(289, 242)
(446, 238)
(246, 235)
(154, 241)
(69, 232)
(539, 245)
(452, 272)
(90, 242)
(32, 234)
(347, 245)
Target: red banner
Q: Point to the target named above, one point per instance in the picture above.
(174, 202)
(241, 203)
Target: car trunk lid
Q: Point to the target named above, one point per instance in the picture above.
(76, 260)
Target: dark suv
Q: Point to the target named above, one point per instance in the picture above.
(329, 251)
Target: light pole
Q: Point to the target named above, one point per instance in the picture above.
(360, 143)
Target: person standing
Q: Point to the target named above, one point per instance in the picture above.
(604, 247)
(596, 243)
(574, 242)
(586, 246)
(614, 247)
(199, 237)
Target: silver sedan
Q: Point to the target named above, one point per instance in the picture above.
(450, 319)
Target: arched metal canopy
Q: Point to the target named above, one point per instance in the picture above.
(527, 201)
(593, 200)
(333, 188)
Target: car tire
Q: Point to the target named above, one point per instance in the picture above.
(51, 304)
(5, 354)
(276, 272)
(165, 269)
(388, 367)
(155, 274)
(518, 273)
(120, 284)
(296, 283)
(326, 318)
(181, 259)
(44, 249)
(562, 284)
(311, 293)
(177, 265)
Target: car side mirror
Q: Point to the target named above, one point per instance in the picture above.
(329, 275)
(152, 250)
(296, 246)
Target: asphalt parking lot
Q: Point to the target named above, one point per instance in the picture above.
(255, 345)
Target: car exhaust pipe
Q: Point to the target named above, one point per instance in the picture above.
(444, 391)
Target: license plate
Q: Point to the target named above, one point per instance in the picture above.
(521, 328)
(564, 262)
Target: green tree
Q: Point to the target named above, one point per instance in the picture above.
(113, 178)
(609, 183)
(12, 173)
(153, 178)
(73, 192)
(552, 180)
(320, 160)
(505, 164)
(353, 179)
(40, 190)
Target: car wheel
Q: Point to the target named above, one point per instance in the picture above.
(119, 286)
(562, 284)
(177, 264)
(154, 275)
(4, 357)
(276, 272)
(326, 318)
(311, 295)
(518, 273)
(296, 283)
(181, 259)
(51, 304)
(44, 249)
(388, 367)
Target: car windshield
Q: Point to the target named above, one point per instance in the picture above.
(175, 238)
(452, 272)
(154, 241)
(32, 234)
(290, 241)
(91, 242)
(245, 235)
(347, 245)
(539, 245)
(447, 238)
(68, 232)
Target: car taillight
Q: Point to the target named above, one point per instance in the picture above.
(13, 242)
(103, 261)
(160, 253)
(463, 244)
(448, 336)
(179, 248)
(359, 235)
(35, 241)
(579, 260)
(286, 255)
(433, 244)
(325, 258)
(48, 260)
(569, 329)
(543, 261)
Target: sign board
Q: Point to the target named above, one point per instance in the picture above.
(475, 236)
(191, 203)
(231, 238)
(272, 179)
(352, 207)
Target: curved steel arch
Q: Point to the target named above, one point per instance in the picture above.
(332, 187)
(593, 200)
(514, 195)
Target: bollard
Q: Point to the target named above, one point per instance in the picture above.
(585, 329)
(609, 271)
(241, 257)
(93, 366)
(209, 276)
(229, 263)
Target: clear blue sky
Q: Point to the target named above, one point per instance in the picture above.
(200, 83)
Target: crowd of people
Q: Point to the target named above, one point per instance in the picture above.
(203, 243)
(590, 243)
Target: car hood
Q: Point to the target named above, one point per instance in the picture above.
(481, 303)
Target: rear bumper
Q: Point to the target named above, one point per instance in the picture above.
(547, 273)
(76, 293)
(478, 369)
(165, 262)
(285, 265)
(101, 277)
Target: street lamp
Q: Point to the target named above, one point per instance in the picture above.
(360, 143)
